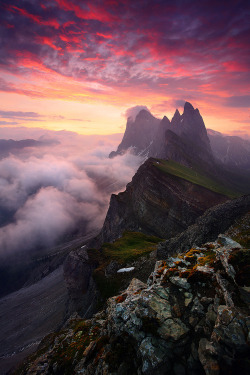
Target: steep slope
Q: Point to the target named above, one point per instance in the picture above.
(29, 314)
(163, 199)
(207, 227)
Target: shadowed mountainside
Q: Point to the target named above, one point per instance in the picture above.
(184, 139)
(163, 199)
(207, 227)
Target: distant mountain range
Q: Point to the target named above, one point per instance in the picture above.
(184, 139)
(10, 146)
(231, 151)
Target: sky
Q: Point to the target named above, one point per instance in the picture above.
(78, 65)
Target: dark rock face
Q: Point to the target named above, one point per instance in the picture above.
(230, 151)
(139, 134)
(191, 126)
(193, 139)
(207, 227)
(81, 288)
(156, 203)
(184, 139)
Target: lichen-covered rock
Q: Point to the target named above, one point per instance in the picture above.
(190, 318)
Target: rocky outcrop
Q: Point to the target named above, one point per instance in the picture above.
(207, 227)
(190, 318)
(156, 203)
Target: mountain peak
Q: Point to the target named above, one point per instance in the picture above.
(188, 107)
(145, 135)
(176, 117)
(143, 114)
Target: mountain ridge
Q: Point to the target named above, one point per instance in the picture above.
(157, 203)
(187, 129)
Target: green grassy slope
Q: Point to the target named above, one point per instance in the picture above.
(125, 249)
(129, 248)
(173, 168)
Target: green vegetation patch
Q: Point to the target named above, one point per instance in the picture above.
(130, 247)
(173, 168)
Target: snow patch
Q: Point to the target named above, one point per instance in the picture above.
(129, 269)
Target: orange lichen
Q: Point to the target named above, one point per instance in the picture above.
(161, 270)
(121, 298)
(208, 259)
(192, 252)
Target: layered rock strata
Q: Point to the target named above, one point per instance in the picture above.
(156, 203)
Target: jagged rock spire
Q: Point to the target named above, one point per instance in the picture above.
(188, 107)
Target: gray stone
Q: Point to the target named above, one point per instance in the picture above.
(207, 358)
(230, 329)
(228, 242)
(135, 286)
(152, 354)
(180, 282)
(161, 307)
(173, 329)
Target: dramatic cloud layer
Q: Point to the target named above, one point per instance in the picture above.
(123, 53)
(48, 192)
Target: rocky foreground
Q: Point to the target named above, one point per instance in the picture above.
(192, 317)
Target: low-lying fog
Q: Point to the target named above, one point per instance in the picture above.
(61, 185)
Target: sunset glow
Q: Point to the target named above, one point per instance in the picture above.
(78, 65)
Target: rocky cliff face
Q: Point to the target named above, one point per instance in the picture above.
(190, 318)
(207, 227)
(156, 203)
(82, 292)
(139, 134)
